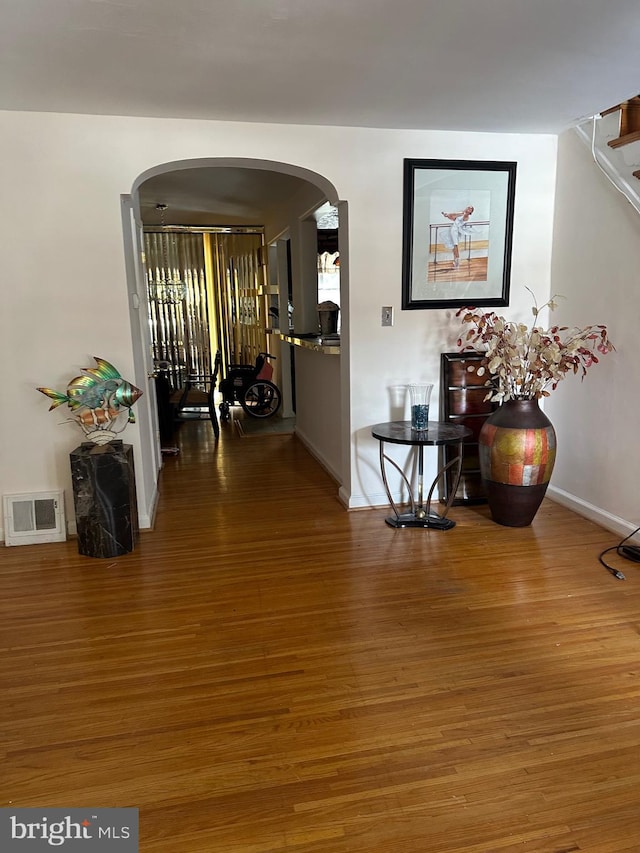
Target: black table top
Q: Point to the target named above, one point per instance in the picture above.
(400, 432)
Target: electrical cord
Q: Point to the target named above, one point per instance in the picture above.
(629, 552)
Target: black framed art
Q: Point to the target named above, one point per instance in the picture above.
(457, 233)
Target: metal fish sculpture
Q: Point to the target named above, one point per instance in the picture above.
(97, 398)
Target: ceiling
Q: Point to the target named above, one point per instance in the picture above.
(476, 65)
(216, 196)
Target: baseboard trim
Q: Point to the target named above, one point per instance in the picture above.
(594, 513)
(317, 455)
(378, 500)
(148, 521)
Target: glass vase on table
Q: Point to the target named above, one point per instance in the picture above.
(420, 395)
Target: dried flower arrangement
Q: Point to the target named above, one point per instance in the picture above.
(524, 362)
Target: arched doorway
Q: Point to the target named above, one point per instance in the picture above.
(280, 197)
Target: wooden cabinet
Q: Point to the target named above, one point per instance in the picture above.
(462, 394)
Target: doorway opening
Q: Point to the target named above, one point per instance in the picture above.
(205, 199)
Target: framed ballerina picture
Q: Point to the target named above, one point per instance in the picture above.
(457, 233)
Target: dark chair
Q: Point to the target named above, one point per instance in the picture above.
(165, 409)
(196, 399)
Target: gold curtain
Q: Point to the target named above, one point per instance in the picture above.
(178, 309)
(236, 277)
(221, 306)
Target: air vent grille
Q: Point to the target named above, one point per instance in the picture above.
(29, 519)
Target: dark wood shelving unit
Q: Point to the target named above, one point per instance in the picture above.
(462, 394)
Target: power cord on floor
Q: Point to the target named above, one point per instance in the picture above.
(629, 552)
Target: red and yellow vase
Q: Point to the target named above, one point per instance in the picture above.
(517, 447)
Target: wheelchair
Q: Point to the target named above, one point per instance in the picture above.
(250, 385)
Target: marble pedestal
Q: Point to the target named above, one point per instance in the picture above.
(104, 496)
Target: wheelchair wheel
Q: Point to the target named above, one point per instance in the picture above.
(224, 411)
(261, 399)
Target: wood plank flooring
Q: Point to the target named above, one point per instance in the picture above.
(267, 672)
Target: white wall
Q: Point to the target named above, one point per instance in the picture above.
(318, 409)
(596, 266)
(64, 291)
(382, 358)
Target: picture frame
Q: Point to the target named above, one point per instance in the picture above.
(457, 233)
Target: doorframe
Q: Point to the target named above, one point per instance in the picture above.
(150, 455)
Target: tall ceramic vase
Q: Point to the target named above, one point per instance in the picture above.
(517, 447)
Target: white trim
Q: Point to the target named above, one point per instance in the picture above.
(147, 522)
(377, 500)
(316, 455)
(605, 519)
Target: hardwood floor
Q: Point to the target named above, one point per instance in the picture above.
(269, 672)
(469, 270)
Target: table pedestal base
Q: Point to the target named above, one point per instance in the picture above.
(409, 519)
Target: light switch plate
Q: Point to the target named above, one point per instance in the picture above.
(387, 315)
